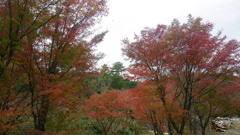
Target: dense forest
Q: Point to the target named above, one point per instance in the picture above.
(181, 75)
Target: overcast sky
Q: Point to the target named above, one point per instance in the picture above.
(127, 17)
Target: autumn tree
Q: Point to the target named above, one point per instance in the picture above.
(218, 102)
(107, 109)
(66, 58)
(186, 56)
(53, 50)
(147, 107)
(18, 19)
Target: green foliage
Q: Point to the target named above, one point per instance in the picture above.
(118, 67)
(111, 78)
(117, 81)
(129, 84)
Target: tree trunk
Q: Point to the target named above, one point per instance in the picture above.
(170, 129)
(193, 126)
(190, 126)
(203, 131)
(42, 115)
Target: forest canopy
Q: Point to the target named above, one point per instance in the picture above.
(181, 75)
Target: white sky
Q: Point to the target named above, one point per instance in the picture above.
(127, 17)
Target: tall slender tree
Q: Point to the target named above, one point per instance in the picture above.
(49, 41)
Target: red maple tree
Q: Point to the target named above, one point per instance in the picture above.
(147, 107)
(188, 57)
(50, 48)
(107, 108)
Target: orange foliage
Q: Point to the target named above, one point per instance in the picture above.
(107, 108)
(148, 107)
